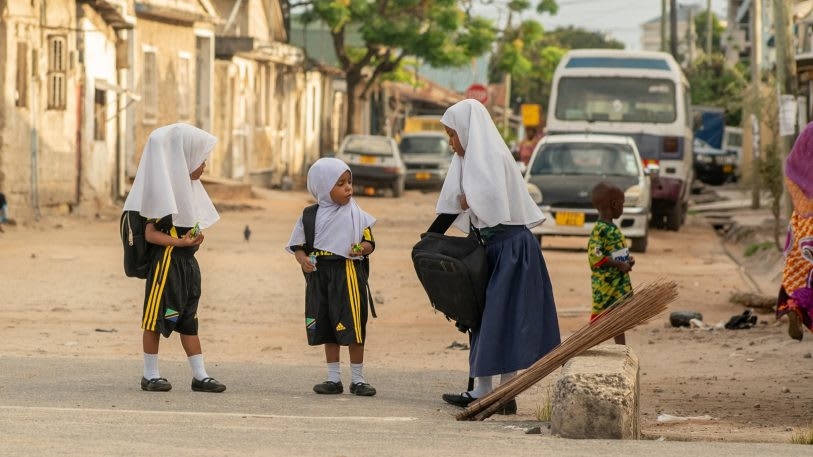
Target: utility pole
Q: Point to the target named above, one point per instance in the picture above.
(664, 9)
(756, 79)
(673, 35)
(708, 27)
(786, 80)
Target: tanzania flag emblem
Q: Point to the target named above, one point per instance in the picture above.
(171, 315)
(310, 323)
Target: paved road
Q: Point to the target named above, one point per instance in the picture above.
(95, 408)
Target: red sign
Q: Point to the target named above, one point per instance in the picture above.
(478, 92)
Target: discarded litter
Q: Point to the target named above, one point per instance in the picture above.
(745, 320)
(106, 330)
(666, 418)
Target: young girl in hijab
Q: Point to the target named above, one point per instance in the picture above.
(796, 292)
(168, 192)
(485, 189)
(336, 294)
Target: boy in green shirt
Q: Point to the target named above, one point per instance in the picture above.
(607, 253)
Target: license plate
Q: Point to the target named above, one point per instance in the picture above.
(728, 168)
(367, 160)
(423, 176)
(574, 219)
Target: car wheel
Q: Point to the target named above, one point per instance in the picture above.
(639, 243)
(398, 188)
(674, 216)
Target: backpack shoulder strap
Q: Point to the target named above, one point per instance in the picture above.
(309, 222)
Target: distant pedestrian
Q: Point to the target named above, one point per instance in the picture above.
(246, 233)
(336, 293)
(607, 253)
(796, 292)
(168, 192)
(3, 210)
(485, 190)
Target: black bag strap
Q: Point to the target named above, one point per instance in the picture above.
(442, 223)
(309, 222)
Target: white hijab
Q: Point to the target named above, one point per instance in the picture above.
(162, 185)
(487, 175)
(337, 226)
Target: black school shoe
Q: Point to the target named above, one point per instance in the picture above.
(462, 400)
(362, 389)
(207, 385)
(509, 409)
(155, 385)
(329, 388)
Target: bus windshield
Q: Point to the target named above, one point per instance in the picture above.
(616, 99)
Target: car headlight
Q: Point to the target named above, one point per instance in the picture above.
(729, 160)
(632, 196)
(704, 158)
(535, 193)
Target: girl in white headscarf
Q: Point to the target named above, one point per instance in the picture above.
(337, 294)
(485, 189)
(167, 191)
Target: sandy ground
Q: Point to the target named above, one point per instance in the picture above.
(65, 296)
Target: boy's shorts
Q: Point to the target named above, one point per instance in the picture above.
(336, 300)
(172, 293)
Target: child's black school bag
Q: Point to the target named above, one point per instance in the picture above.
(136, 248)
(453, 271)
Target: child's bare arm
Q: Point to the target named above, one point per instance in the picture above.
(623, 266)
(159, 238)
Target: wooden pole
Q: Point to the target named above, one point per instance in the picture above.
(756, 79)
(673, 35)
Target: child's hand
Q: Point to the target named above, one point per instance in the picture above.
(305, 263)
(624, 267)
(193, 240)
(463, 203)
(356, 250)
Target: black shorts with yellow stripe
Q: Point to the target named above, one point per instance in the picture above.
(172, 292)
(336, 302)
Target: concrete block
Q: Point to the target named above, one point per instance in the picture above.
(597, 395)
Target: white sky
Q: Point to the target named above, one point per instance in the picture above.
(621, 19)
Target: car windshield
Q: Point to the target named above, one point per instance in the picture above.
(585, 159)
(378, 146)
(425, 145)
(616, 99)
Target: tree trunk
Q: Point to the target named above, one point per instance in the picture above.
(352, 124)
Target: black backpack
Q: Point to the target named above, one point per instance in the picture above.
(309, 224)
(136, 248)
(453, 271)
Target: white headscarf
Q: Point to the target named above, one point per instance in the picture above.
(487, 175)
(337, 226)
(162, 184)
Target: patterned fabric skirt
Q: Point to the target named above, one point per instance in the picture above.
(796, 293)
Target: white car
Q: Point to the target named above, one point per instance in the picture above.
(562, 172)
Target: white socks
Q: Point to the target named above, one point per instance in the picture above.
(151, 366)
(505, 377)
(198, 370)
(482, 386)
(356, 370)
(334, 372)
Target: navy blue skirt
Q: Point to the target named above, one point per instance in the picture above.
(519, 322)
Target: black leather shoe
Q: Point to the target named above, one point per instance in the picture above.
(207, 385)
(509, 409)
(329, 388)
(155, 385)
(362, 389)
(458, 399)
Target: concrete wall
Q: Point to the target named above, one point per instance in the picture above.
(38, 163)
(597, 395)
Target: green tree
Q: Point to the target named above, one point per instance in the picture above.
(441, 33)
(713, 83)
(701, 28)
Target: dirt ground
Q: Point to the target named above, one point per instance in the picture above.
(65, 295)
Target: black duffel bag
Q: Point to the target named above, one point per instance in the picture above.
(454, 273)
